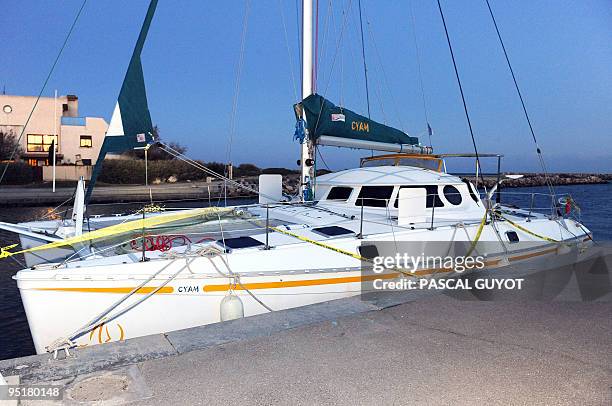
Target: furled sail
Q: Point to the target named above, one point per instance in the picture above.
(131, 124)
(328, 124)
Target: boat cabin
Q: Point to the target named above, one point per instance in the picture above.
(380, 189)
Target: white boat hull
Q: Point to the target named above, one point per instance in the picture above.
(57, 307)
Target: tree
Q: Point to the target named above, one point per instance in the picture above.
(8, 144)
(247, 170)
(156, 153)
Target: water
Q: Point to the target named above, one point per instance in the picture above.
(15, 340)
(593, 200)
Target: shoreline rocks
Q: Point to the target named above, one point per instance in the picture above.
(538, 179)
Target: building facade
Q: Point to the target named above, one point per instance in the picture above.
(77, 139)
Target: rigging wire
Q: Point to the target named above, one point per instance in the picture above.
(338, 43)
(59, 54)
(418, 58)
(288, 46)
(299, 38)
(322, 52)
(341, 98)
(518, 91)
(322, 159)
(333, 62)
(467, 114)
(365, 68)
(384, 74)
(245, 23)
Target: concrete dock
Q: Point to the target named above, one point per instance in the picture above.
(438, 350)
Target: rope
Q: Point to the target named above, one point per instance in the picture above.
(418, 59)
(518, 91)
(288, 46)
(68, 341)
(523, 229)
(118, 229)
(18, 143)
(203, 168)
(245, 24)
(467, 114)
(322, 53)
(365, 68)
(478, 233)
(384, 75)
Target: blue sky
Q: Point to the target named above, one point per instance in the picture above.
(561, 52)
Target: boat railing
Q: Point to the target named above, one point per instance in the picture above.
(552, 205)
(372, 217)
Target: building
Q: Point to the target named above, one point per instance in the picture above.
(78, 138)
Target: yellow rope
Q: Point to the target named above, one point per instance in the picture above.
(118, 229)
(523, 229)
(320, 244)
(478, 233)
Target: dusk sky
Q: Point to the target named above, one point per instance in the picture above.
(561, 52)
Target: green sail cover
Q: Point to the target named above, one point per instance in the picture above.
(323, 118)
(131, 124)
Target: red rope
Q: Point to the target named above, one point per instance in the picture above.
(163, 243)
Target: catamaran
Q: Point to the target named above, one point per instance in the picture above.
(283, 252)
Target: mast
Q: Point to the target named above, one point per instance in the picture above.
(306, 157)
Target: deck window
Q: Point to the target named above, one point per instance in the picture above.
(332, 231)
(341, 193)
(240, 242)
(512, 236)
(374, 196)
(432, 195)
(452, 194)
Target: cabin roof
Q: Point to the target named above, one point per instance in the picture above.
(386, 175)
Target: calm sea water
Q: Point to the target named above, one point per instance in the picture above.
(15, 338)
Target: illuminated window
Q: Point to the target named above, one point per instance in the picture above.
(85, 141)
(40, 142)
(37, 162)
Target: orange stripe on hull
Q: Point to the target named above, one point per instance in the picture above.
(289, 284)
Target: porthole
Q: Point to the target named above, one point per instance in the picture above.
(452, 194)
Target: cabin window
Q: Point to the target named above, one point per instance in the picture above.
(452, 194)
(374, 196)
(86, 141)
(432, 195)
(339, 193)
(512, 236)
